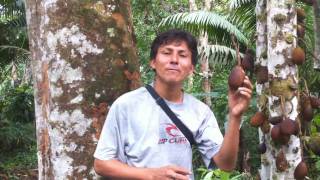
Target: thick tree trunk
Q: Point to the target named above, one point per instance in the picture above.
(281, 23)
(261, 56)
(316, 12)
(83, 57)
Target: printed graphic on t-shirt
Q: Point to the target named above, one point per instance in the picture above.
(170, 134)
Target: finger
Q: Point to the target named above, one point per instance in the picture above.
(245, 90)
(247, 83)
(181, 177)
(180, 170)
(246, 94)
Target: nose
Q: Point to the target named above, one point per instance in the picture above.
(174, 58)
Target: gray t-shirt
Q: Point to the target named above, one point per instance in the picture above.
(139, 133)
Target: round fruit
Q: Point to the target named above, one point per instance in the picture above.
(275, 120)
(265, 127)
(257, 119)
(297, 127)
(315, 102)
(281, 162)
(287, 127)
(306, 109)
(314, 145)
(248, 60)
(301, 15)
(284, 139)
(236, 77)
(298, 56)
(275, 133)
(301, 31)
(301, 171)
(262, 74)
(262, 148)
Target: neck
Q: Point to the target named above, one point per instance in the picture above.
(170, 92)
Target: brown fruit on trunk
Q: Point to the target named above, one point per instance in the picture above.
(301, 171)
(281, 161)
(262, 148)
(257, 119)
(236, 77)
(315, 102)
(306, 109)
(298, 56)
(284, 139)
(265, 127)
(275, 133)
(248, 60)
(301, 15)
(301, 31)
(287, 127)
(275, 120)
(262, 74)
(297, 127)
(314, 145)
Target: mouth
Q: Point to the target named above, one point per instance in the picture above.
(173, 70)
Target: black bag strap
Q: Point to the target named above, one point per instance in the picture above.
(183, 128)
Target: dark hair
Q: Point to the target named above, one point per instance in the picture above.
(175, 35)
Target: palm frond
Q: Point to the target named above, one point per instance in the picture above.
(24, 51)
(244, 17)
(219, 54)
(10, 9)
(234, 4)
(218, 27)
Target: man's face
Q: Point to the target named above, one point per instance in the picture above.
(173, 62)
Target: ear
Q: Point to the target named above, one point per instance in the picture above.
(191, 70)
(152, 64)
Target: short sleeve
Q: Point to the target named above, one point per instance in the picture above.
(110, 145)
(209, 138)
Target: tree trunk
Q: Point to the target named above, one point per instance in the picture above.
(281, 23)
(261, 57)
(83, 58)
(316, 12)
(204, 60)
(192, 5)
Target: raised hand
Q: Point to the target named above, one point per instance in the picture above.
(239, 99)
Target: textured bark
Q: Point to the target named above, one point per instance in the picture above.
(83, 58)
(316, 12)
(192, 5)
(261, 51)
(281, 23)
(204, 60)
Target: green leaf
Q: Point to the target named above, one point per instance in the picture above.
(208, 176)
(225, 175)
(217, 26)
(233, 4)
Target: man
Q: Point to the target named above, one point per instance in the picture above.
(139, 141)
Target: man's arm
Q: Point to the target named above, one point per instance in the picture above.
(226, 158)
(118, 170)
(239, 101)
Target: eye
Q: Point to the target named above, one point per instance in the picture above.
(165, 52)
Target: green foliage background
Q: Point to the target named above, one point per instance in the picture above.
(17, 121)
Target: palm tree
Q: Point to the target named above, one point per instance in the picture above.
(14, 61)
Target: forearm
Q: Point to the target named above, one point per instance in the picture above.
(118, 170)
(226, 158)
